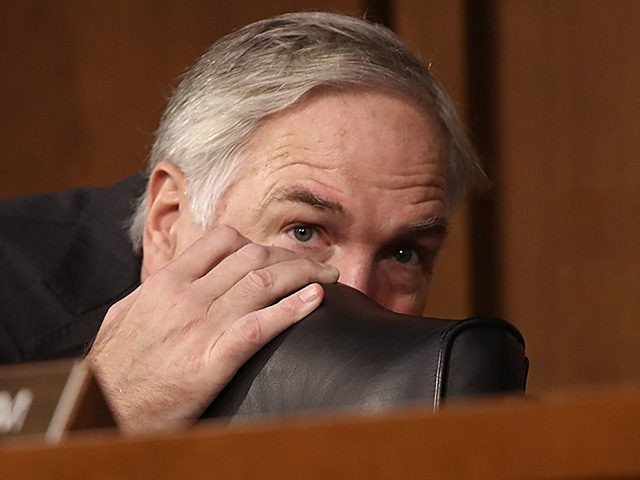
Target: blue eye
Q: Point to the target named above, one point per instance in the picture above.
(403, 255)
(303, 233)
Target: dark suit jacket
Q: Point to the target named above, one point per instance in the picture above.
(65, 258)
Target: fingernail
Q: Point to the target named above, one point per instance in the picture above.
(309, 293)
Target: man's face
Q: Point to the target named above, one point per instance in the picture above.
(354, 179)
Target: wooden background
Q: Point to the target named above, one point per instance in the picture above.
(550, 90)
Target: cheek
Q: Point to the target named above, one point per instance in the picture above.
(407, 305)
(410, 299)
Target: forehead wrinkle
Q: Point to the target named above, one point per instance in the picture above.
(300, 156)
(298, 194)
(278, 148)
(409, 175)
(434, 224)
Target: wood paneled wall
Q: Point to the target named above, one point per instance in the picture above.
(569, 82)
(83, 83)
(563, 147)
(555, 246)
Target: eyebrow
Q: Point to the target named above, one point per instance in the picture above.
(303, 195)
(431, 226)
(434, 225)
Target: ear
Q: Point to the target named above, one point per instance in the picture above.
(166, 203)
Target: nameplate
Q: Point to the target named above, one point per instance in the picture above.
(50, 399)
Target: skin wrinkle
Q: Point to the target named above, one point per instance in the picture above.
(420, 176)
(366, 172)
(302, 195)
(280, 158)
(297, 194)
(421, 183)
(272, 167)
(271, 191)
(432, 225)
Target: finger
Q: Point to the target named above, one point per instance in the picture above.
(205, 253)
(232, 269)
(263, 287)
(251, 332)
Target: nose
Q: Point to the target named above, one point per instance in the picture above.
(357, 270)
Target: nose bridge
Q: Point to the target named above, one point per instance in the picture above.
(357, 270)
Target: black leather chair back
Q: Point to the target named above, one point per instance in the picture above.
(353, 354)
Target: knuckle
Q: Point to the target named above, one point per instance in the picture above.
(175, 298)
(161, 280)
(289, 307)
(250, 329)
(257, 253)
(167, 296)
(227, 233)
(260, 278)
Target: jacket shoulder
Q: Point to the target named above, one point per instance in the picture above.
(65, 258)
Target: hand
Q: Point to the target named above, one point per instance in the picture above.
(166, 350)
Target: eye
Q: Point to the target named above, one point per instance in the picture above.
(404, 254)
(303, 233)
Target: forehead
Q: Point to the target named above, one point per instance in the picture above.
(356, 131)
(371, 158)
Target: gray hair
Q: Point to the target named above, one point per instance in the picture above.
(270, 65)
